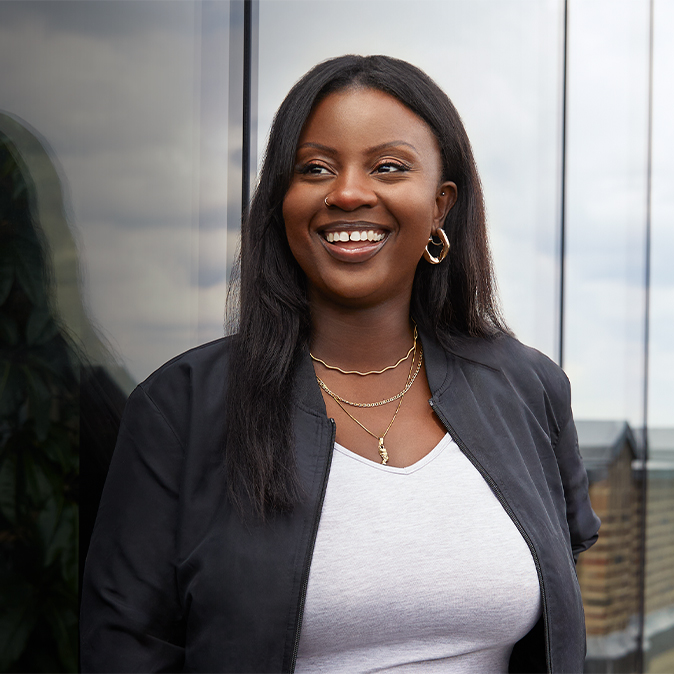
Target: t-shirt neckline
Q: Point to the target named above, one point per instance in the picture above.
(406, 470)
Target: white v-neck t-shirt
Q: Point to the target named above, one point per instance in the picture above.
(416, 569)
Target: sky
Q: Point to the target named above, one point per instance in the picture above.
(131, 99)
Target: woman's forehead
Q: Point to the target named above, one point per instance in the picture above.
(366, 118)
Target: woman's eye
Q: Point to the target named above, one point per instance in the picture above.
(314, 170)
(391, 167)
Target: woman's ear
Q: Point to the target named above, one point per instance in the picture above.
(445, 198)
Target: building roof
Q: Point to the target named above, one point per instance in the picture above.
(661, 449)
(602, 441)
(600, 444)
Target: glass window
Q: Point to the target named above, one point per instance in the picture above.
(607, 139)
(114, 166)
(659, 620)
(500, 64)
(606, 219)
(130, 99)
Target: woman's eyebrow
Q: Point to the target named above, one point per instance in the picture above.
(374, 148)
(318, 146)
(393, 143)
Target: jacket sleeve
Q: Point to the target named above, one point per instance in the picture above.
(581, 519)
(131, 618)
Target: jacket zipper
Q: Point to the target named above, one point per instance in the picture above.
(493, 486)
(310, 552)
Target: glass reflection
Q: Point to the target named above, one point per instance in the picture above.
(607, 136)
(659, 604)
(132, 99)
(39, 443)
(128, 171)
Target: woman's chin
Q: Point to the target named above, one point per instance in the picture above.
(355, 291)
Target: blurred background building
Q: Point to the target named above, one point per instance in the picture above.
(131, 135)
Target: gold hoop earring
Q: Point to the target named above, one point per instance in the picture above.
(444, 242)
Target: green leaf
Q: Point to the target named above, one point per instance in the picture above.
(9, 331)
(8, 488)
(5, 371)
(59, 448)
(6, 277)
(29, 272)
(40, 398)
(40, 327)
(12, 388)
(38, 487)
(17, 618)
(47, 528)
(46, 360)
(58, 524)
(63, 623)
(70, 550)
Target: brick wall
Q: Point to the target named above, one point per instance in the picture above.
(608, 572)
(660, 541)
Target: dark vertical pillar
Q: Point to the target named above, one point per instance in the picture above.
(235, 120)
(249, 109)
(646, 358)
(242, 110)
(562, 217)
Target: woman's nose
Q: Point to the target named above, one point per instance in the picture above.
(350, 192)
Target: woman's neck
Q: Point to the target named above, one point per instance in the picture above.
(361, 339)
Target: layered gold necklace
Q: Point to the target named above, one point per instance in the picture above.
(412, 375)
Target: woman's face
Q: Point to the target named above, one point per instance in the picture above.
(378, 165)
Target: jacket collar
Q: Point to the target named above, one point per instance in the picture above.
(307, 391)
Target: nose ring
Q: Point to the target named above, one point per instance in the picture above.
(326, 202)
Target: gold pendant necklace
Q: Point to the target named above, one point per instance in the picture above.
(383, 453)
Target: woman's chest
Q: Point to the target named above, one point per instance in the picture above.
(416, 566)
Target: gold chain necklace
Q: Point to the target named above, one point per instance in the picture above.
(410, 381)
(364, 374)
(383, 453)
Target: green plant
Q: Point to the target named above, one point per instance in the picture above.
(39, 462)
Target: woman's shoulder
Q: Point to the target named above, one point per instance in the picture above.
(192, 365)
(526, 368)
(190, 385)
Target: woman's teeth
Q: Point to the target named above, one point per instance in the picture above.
(334, 237)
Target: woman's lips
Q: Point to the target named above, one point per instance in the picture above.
(353, 244)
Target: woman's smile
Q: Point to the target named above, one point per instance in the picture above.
(365, 196)
(353, 242)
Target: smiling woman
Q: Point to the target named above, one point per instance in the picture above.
(282, 499)
(365, 163)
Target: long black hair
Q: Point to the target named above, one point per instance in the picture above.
(454, 298)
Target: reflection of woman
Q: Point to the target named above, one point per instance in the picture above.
(351, 526)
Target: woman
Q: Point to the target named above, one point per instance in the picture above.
(351, 526)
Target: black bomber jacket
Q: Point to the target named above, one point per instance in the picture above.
(175, 581)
